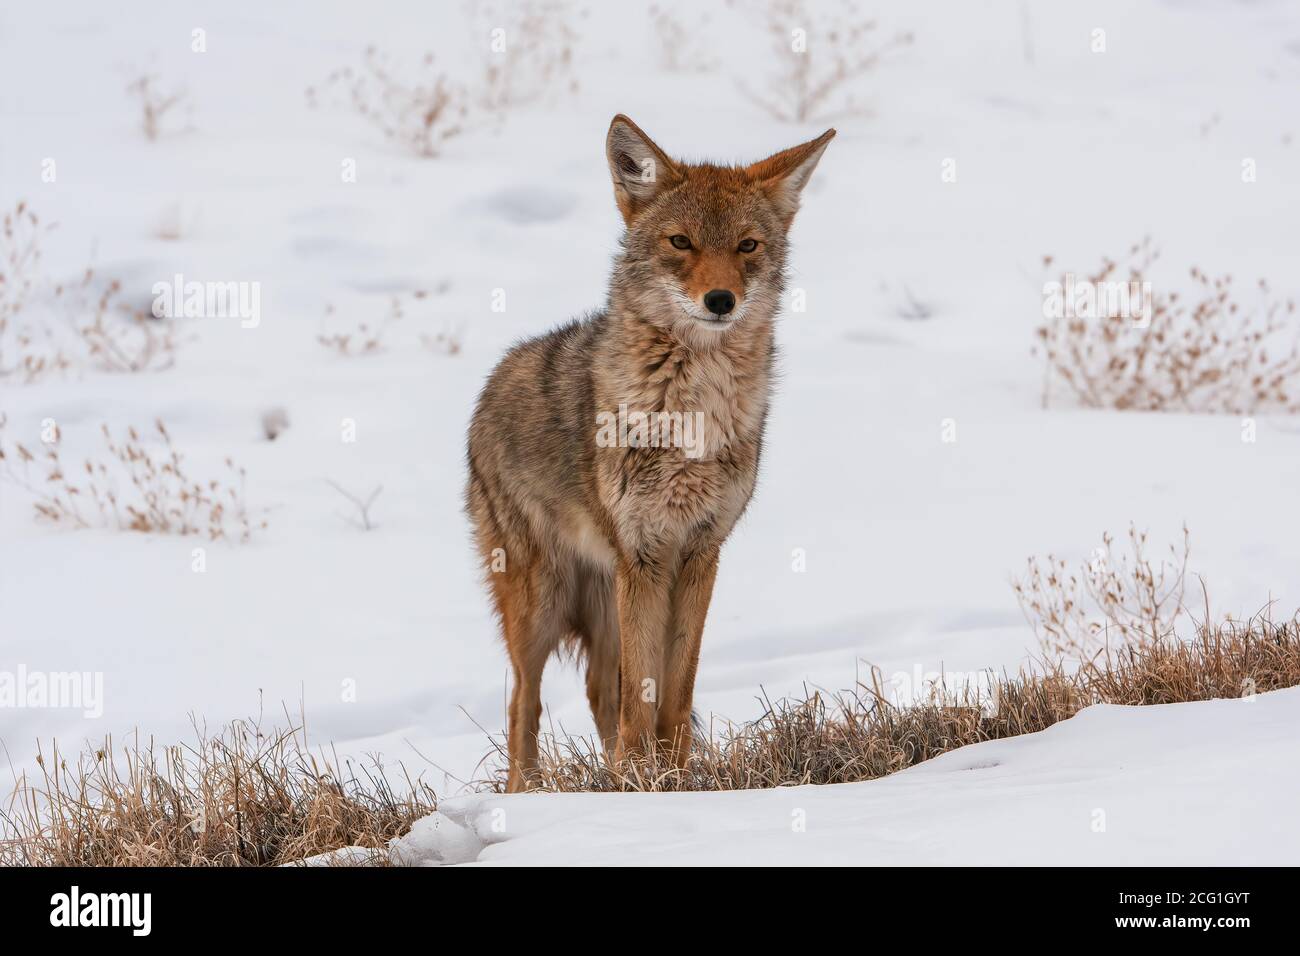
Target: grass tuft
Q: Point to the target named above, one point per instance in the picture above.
(863, 734)
(240, 798)
(248, 798)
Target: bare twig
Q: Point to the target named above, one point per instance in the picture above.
(362, 506)
(821, 58)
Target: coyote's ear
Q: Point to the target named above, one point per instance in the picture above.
(640, 169)
(784, 175)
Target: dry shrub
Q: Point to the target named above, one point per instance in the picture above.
(683, 47)
(134, 487)
(27, 350)
(448, 342)
(119, 337)
(83, 325)
(362, 338)
(861, 735)
(156, 102)
(371, 337)
(248, 798)
(530, 46)
(528, 53)
(1112, 599)
(1203, 351)
(819, 70)
(419, 115)
(91, 329)
(240, 798)
(20, 257)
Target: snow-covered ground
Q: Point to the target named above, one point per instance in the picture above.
(385, 637)
(1176, 785)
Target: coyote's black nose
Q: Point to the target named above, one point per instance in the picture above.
(719, 301)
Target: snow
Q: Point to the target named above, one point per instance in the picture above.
(1212, 782)
(384, 638)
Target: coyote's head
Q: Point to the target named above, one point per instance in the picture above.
(705, 245)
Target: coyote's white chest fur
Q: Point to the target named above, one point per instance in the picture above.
(724, 389)
(661, 496)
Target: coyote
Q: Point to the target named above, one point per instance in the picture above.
(605, 538)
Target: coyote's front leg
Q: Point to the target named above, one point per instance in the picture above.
(643, 585)
(690, 605)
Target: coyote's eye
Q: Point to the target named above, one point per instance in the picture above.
(747, 245)
(680, 242)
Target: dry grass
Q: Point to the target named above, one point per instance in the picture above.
(861, 735)
(448, 342)
(528, 55)
(119, 337)
(27, 350)
(418, 114)
(83, 325)
(530, 51)
(355, 338)
(246, 797)
(819, 72)
(1205, 350)
(157, 103)
(1113, 598)
(683, 45)
(240, 798)
(138, 485)
(362, 337)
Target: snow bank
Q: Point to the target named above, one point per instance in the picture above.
(1177, 784)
